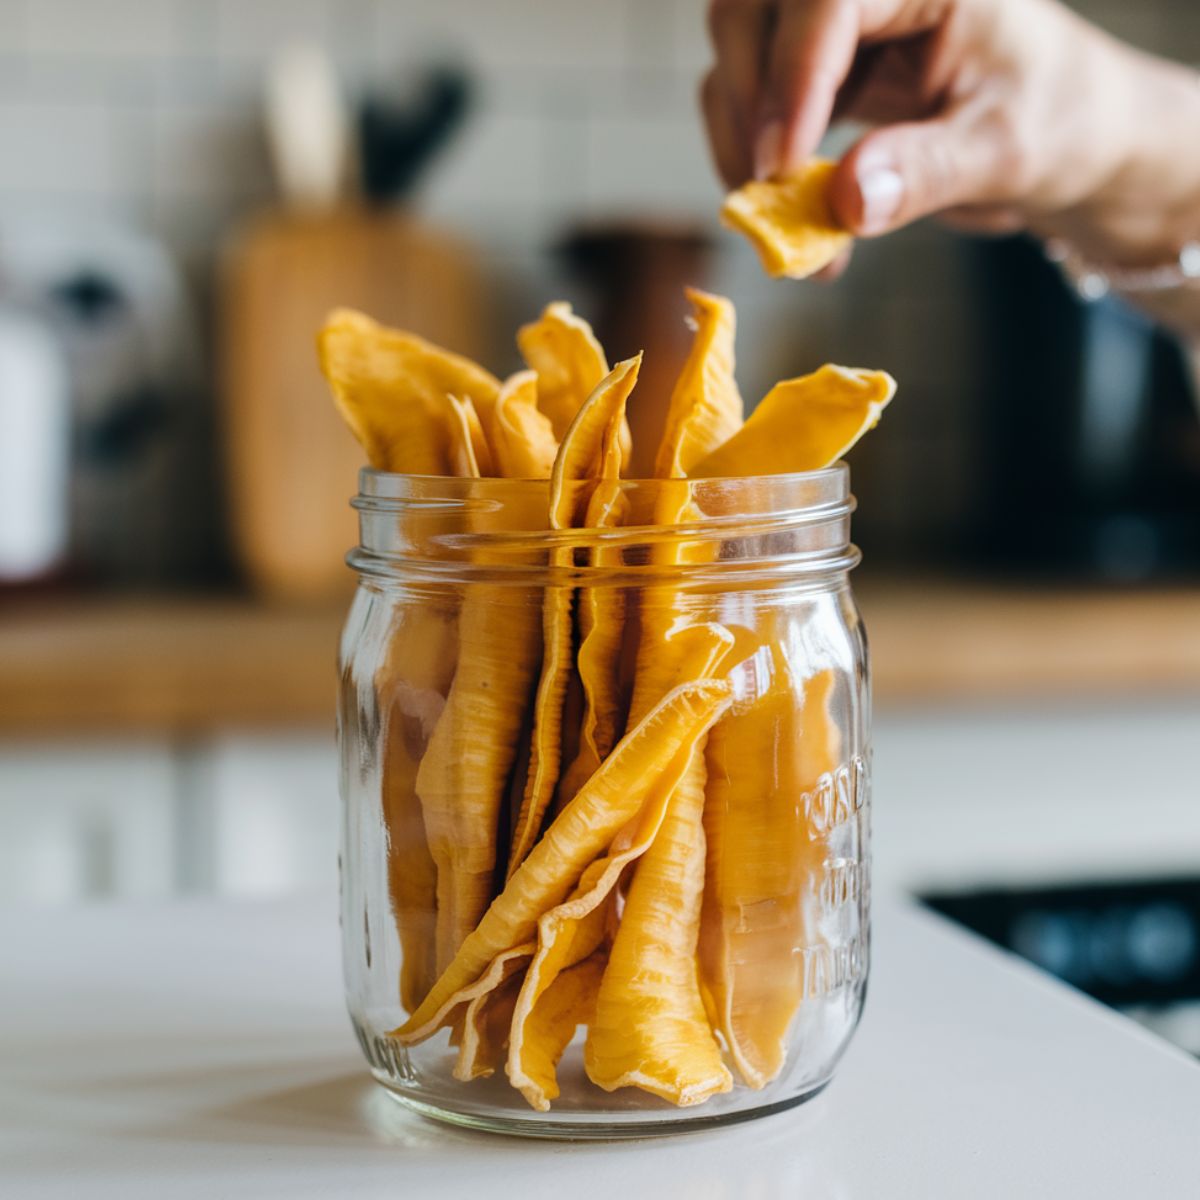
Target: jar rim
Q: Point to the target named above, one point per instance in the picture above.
(442, 526)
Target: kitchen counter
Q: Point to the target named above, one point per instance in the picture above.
(184, 666)
(200, 1049)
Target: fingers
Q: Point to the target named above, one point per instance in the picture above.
(903, 172)
(996, 219)
(730, 151)
(812, 51)
(739, 30)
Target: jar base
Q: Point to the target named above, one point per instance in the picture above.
(580, 1127)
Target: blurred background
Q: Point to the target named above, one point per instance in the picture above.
(187, 185)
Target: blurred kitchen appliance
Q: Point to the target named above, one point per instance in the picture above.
(1132, 944)
(1090, 446)
(35, 435)
(116, 308)
(292, 466)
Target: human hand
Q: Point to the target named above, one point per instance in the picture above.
(995, 114)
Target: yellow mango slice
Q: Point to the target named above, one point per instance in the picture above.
(570, 1001)
(522, 435)
(789, 221)
(573, 930)
(647, 763)
(561, 347)
(469, 454)
(462, 778)
(650, 1030)
(410, 689)
(764, 865)
(706, 407)
(486, 1020)
(804, 424)
(390, 386)
(601, 633)
(597, 421)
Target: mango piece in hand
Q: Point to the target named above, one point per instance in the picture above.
(789, 221)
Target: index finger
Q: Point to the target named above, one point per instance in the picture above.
(811, 55)
(739, 30)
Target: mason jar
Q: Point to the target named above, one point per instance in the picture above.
(605, 858)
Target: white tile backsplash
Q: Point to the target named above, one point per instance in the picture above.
(113, 28)
(651, 167)
(150, 107)
(64, 147)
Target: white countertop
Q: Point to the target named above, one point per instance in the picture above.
(200, 1049)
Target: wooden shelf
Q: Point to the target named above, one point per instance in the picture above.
(180, 667)
(165, 666)
(950, 641)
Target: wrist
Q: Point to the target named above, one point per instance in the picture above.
(1145, 204)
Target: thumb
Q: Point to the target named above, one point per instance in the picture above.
(900, 173)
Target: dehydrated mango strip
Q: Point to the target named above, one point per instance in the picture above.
(579, 456)
(410, 689)
(462, 778)
(566, 935)
(390, 388)
(601, 631)
(573, 930)
(804, 424)
(486, 1020)
(706, 407)
(522, 436)
(650, 1029)
(789, 221)
(764, 865)
(569, 1002)
(648, 762)
(561, 347)
(386, 384)
(469, 454)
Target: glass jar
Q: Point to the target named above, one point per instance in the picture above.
(605, 849)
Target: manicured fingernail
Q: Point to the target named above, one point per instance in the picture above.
(768, 150)
(882, 191)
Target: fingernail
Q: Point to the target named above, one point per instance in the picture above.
(882, 191)
(768, 150)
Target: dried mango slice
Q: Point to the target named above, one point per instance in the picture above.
(390, 386)
(706, 407)
(762, 864)
(789, 221)
(487, 1018)
(804, 424)
(522, 436)
(570, 1001)
(469, 454)
(462, 778)
(601, 632)
(597, 422)
(646, 764)
(410, 687)
(574, 929)
(650, 1029)
(561, 347)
